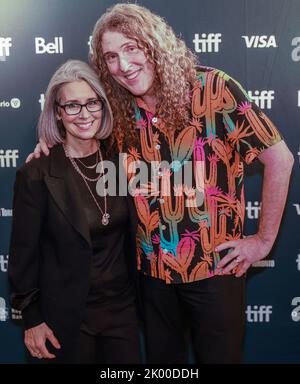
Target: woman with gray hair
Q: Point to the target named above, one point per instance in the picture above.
(68, 268)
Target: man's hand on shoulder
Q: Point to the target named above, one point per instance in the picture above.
(41, 147)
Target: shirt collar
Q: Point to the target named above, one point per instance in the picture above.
(141, 104)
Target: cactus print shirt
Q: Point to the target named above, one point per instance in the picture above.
(177, 234)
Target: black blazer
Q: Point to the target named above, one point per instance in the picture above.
(51, 250)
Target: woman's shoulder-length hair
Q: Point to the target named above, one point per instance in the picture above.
(49, 129)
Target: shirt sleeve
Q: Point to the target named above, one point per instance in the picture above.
(249, 131)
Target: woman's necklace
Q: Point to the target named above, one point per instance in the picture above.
(105, 214)
(90, 166)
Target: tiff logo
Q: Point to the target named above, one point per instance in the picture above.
(41, 47)
(3, 310)
(42, 100)
(260, 41)
(296, 51)
(296, 311)
(5, 45)
(3, 263)
(8, 158)
(207, 43)
(253, 209)
(262, 98)
(259, 313)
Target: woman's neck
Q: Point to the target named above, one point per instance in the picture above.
(81, 148)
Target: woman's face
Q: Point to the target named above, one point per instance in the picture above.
(127, 63)
(83, 125)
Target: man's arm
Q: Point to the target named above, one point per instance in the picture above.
(278, 162)
(41, 147)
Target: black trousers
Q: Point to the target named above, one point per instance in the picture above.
(212, 309)
(118, 346)
(110, 337)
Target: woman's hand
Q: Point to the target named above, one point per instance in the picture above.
(35, 341)
(41, 147)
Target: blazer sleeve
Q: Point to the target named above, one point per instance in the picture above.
(24, 260)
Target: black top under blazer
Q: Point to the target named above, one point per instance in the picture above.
(51, 250)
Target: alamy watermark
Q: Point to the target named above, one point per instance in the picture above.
(154, 179)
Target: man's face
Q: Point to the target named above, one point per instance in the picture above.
(127, 63)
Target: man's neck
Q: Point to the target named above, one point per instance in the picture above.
(151, 102)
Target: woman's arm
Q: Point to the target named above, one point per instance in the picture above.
(23, 266)
(29, 207)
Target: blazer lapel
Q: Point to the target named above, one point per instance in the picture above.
(63, 187)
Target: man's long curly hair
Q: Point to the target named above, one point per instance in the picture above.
(175, 69)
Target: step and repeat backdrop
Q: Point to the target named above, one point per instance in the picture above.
(255, 41)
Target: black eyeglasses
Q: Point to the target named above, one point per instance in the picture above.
(75, 108)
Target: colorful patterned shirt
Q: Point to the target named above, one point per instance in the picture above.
(177, 235)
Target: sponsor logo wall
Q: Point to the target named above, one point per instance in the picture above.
(260, 48)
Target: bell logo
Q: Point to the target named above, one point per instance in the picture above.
(259, 313)
(296, 51)
(41, 47)
(260, 41)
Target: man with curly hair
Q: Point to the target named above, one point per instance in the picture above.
(192, 256)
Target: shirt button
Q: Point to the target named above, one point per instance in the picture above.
(159, 173)
(163, 227)
(154, 120)
(157, 146)
(165, 251)
(161, 201)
